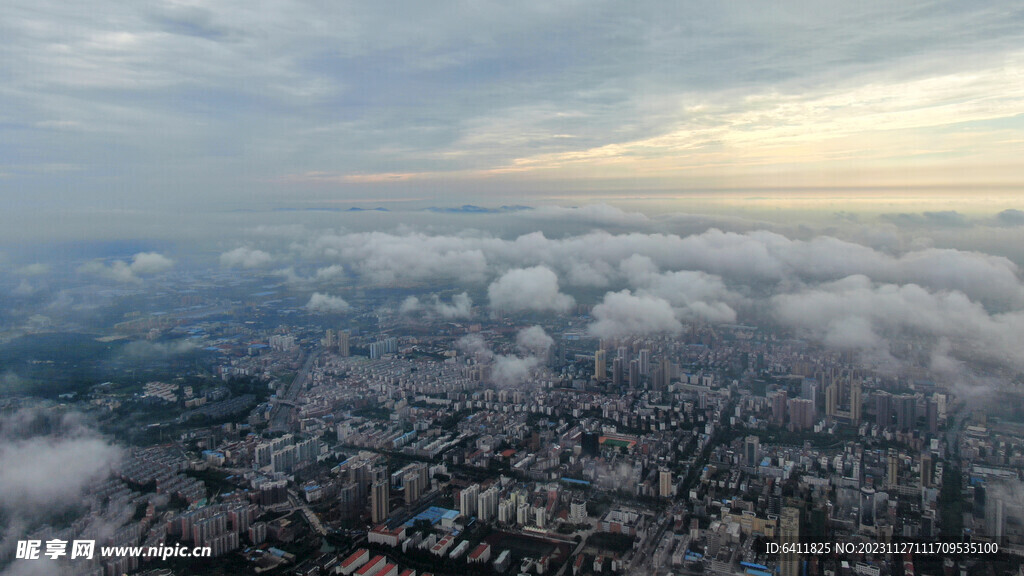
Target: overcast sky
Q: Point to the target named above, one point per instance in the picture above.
(109, 106)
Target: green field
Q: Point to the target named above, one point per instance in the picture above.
(615, 443)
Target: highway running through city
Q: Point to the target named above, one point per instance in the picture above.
(282, 409)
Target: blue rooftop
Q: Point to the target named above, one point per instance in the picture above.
(434, 514)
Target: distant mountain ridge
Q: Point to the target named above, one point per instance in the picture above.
(473, 209)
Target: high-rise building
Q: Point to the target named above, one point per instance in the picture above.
(856, 402)
(283, 461)
(379, 501)
(645, 362)
(468, 500)
(789, 533)
(634, 374)
(558, 358)
(657, 376)
(1002, 510)
(617, 372)
(377, 350)
(282, 342)
(600, 368)
(809, 390)
(750, 449)
(578, 511)
(507, 512)
(523, 514)
(666, 489)
(779, 400)
(867, 506)
(343, 349)
(487, 504)
(906, 411)
(893, 468)
(424, 471)
(412, 486)
(801, 414)
(661, 374)
(831, 400)
(995, 518)
(263, 454)
(883, 409)
(926, 469)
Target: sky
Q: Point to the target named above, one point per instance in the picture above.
(110, 110)
(849, 172)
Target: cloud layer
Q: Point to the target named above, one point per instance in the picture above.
(243, 257)
(51, 472)
(421, 101)
(623, 314)
(326, 304)
(510, 370)
(142, 264)
(50, 457)
(460, 307)
(528, 290)
(867, 291)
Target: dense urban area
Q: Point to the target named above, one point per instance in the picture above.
(377, 439)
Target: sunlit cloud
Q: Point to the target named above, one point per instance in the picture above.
(292, 101)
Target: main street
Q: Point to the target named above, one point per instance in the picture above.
(311, 517)
(280, 414)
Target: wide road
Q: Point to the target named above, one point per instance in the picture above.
(280, 415)
(311, 517)
(579, 547)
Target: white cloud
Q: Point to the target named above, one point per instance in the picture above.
(857, 313)
(384, 258)
(333, 272)
(142, 264)
(705, 264)
(474, 345)
(534, 341)
(326, 304)
(507, 370)
(528, 289)
(51, 471)
(145, 349)
(410, 305)
(145, 263)
(624, 314)
(243, 257)
(694, 295)
(460, 307)
(512, 370)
